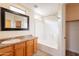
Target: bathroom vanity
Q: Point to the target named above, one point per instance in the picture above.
(24, 47)
(19, 46)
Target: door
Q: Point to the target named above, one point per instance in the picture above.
(19, 52)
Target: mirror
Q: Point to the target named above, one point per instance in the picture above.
(11, 20)
(15, 21)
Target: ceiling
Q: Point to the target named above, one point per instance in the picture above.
(43, 9)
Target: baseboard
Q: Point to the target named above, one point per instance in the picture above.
(49, 50)
(45, 52)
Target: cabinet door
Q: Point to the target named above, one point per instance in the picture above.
(19, 52)
(29, 48)
(35, 45)
(20, 49)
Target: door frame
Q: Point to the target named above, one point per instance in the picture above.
(62, 40)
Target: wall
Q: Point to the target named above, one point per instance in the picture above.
(73, 36)
(39, 30)
(6, 34)
(51, 31)
(72, 13)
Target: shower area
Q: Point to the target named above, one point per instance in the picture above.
(47, 31)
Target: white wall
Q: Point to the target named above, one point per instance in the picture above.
(39, 30)
(5, 34)
(73, 36)
(51, 32)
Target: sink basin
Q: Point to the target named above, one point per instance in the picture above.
(11, 41)
(28, 36)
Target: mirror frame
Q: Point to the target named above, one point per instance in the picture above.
(3, 10)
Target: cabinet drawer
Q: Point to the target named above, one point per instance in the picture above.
(20, 45)
(7, 54)
(29, 42)
(6, 49)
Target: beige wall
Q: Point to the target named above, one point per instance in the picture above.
(72, 12)
(6, 34)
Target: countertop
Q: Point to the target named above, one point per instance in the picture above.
(22, 38)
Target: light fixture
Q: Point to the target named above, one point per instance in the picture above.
(35, 6)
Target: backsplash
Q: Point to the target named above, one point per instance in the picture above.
(8, 34)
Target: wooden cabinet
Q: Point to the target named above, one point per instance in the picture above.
(7, 51)
(19, 49)
(35, 45)
(29, 48)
